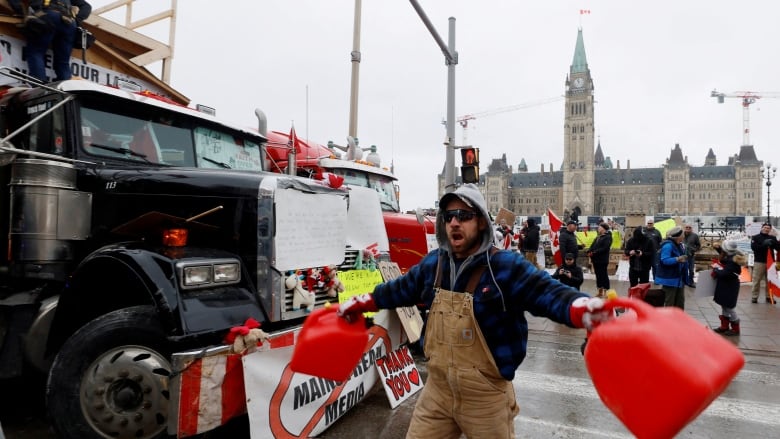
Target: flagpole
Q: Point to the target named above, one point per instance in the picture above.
(307, 120)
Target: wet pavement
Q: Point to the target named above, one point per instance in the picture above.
(557, 398)
(555, 393)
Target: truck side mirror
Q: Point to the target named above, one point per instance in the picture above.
(420, 217)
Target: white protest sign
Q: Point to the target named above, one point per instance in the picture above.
(622, 270)
(366, 224)
(311, 229)
(399, 375)
(705, 285)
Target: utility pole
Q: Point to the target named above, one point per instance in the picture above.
(355, 57)
(768, 173)
(451, 59)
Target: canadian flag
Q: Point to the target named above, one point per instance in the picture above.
(329, 179)
(772, 278)
(555, 227)
(584, 11)
(212, 389)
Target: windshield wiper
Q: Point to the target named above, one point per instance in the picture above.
(388, 204)
(119, 149)
(218, 163)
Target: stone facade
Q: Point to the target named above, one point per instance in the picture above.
(589, 184)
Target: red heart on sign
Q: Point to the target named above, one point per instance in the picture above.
(414, 377)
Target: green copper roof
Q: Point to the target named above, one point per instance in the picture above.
(579, 64)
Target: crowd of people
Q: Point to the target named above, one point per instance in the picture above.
(671, 258)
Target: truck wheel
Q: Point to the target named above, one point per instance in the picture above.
(110, 379)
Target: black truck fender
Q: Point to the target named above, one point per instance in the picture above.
(121, 276)
(111, 278)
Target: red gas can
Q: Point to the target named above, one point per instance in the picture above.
(329, 346)
(657, 372)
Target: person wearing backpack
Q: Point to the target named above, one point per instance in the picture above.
(53, 23)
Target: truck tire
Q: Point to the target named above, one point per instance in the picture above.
(110, 379)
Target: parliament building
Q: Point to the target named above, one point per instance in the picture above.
(587, 183)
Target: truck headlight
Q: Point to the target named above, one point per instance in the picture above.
(227, 272)
(197, 275)
(208, 273)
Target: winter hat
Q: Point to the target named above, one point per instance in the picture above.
(571, 222)
(674, 232)
(730, 247)
(445, 200)
(569, 256)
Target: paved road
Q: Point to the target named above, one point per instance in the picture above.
(555, 393)
(557, 400)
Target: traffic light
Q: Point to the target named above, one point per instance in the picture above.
(469, 169)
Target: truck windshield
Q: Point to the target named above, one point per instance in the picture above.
(383, 185)
(166, 138)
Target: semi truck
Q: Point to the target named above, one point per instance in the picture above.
(134, 227)
(411, 236)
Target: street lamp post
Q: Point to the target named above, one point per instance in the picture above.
(768, 173)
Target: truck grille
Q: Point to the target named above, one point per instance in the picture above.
(321, 294)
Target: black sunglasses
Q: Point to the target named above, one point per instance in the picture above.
(461, 214)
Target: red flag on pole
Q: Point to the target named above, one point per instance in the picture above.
(772, 281)
(555, 227)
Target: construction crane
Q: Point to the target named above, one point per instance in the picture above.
(748, 98)
(464, 120)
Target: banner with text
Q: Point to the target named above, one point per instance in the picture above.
(399, 375)
(285, 404)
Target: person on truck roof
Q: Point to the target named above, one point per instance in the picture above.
(476, 332)
(53, 24)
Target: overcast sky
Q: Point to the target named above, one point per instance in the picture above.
(654, 65)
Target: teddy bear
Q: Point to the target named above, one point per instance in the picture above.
(243, 339)
(301, 297)
(315, 280)
(332, 283)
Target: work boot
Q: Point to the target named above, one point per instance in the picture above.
(724, 325)
(754, 300)
(602, 293)
(734, 329)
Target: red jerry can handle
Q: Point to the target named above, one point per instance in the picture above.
(642, 309)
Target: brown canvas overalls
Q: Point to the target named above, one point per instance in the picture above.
(465, 391)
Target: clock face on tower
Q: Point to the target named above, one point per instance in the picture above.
(579, 82)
